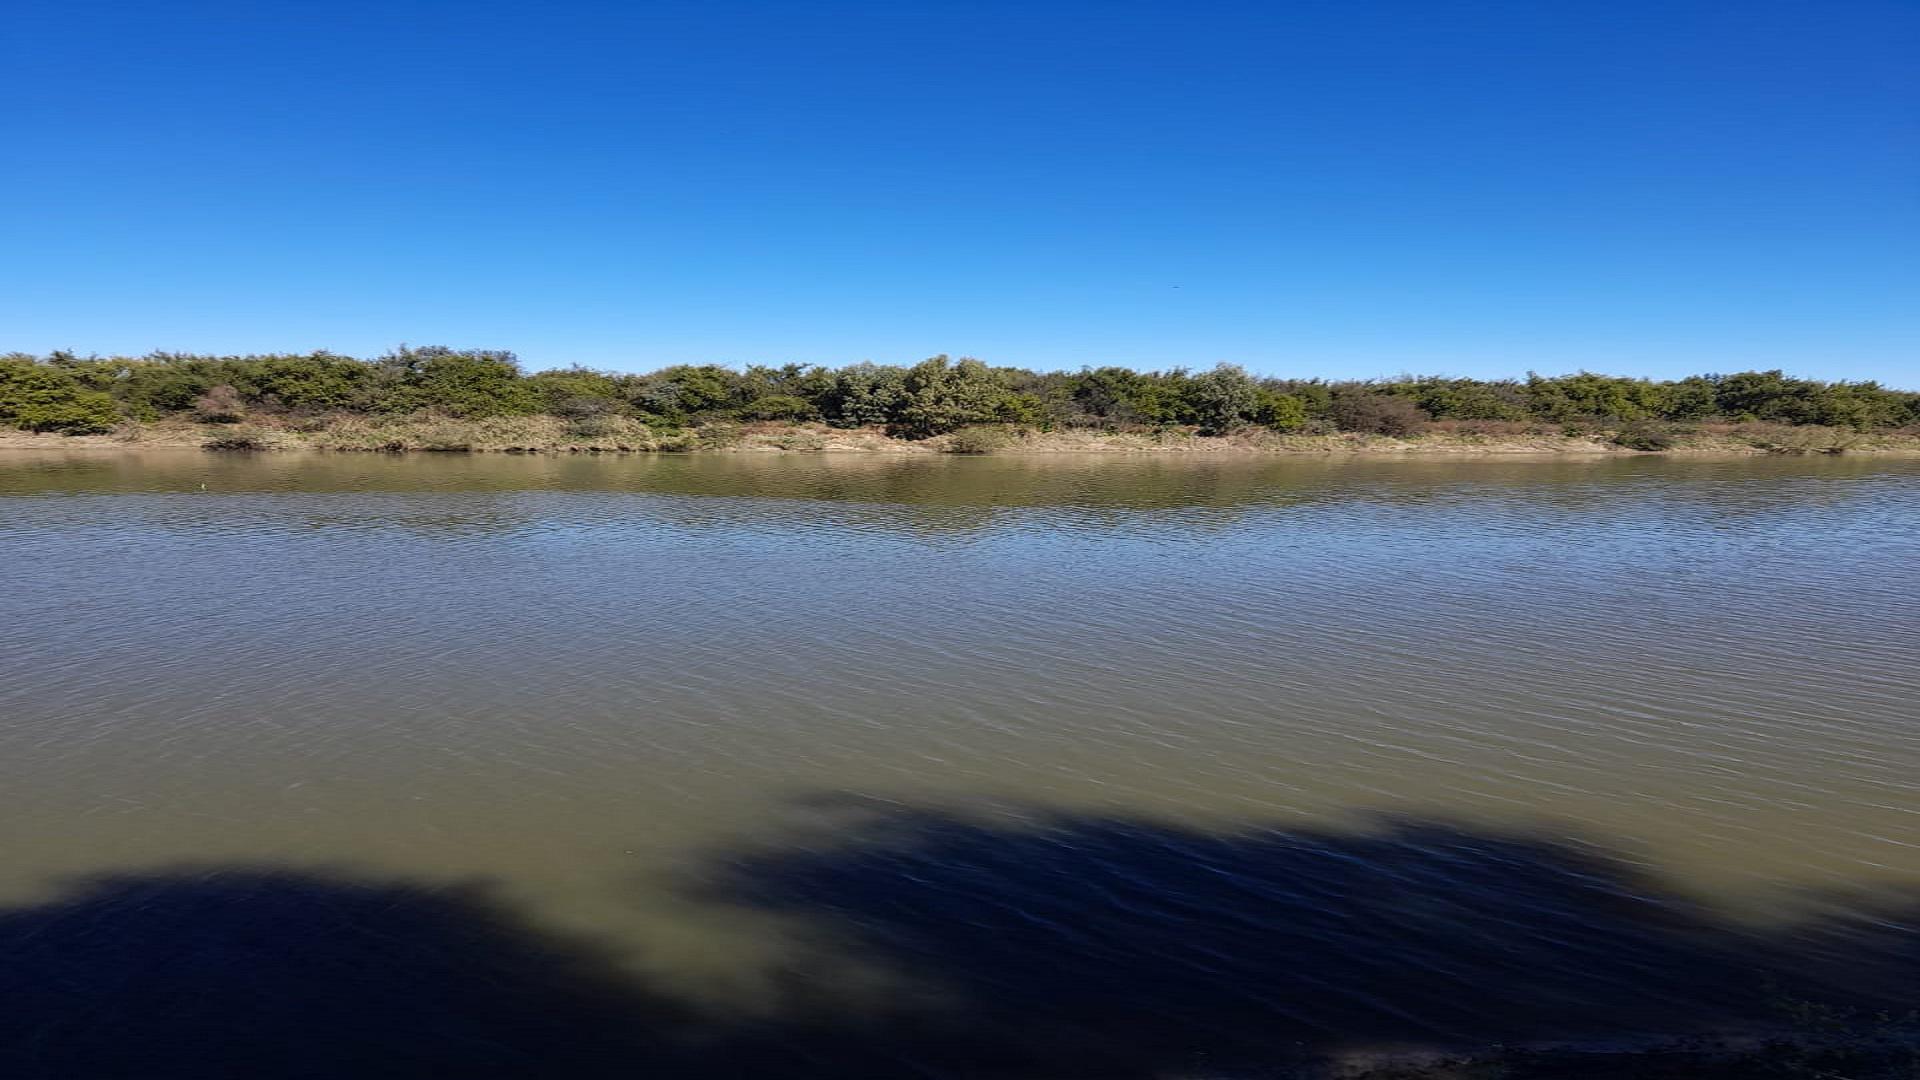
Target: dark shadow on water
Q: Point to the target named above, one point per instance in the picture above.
(1052, 948)
(244, 973)
(1092, 947)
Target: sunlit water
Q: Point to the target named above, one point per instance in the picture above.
(605, 684)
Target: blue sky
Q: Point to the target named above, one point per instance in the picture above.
(1344, 188)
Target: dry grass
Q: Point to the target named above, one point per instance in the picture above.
(1792, 438)
(617, 434)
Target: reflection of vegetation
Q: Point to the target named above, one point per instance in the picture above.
(62, 392)
(1029, 948)
(944, 494)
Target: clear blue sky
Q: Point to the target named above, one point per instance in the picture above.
(1350, 187)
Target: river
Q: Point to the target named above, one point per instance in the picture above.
(857, 723)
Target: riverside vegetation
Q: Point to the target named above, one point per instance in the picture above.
(438, 398)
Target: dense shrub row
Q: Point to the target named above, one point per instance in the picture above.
(72, 394)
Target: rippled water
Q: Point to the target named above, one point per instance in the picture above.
(1125, 718)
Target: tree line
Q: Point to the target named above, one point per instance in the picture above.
(62, 392)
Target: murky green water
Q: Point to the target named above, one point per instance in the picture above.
(611, 688)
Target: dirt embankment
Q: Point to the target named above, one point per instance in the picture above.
(550, 434)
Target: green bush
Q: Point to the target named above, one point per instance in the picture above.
(941, 396)
(65, 392)
(318, 382)
(688, 392)
(1589, 396)
(159, 384)
(1114, 396)
(463, 384)
(1374, 413)
(1463, 399)
(38, 397)
(779, 407)
(577, 392)
(1283, 412)
(864, 395)
(1220, 400)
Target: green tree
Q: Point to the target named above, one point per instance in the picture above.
(1692, 398)
(1586, 396)
(1222, 399)
(1315, 394)
(1114, 396)
(941, 395)
(162, 383)
(866, 394)
(809, 381)
(318, 381)
(1766, 395)
(464, 383)
(1358, 407)
(1862, 405)
(686, 391)
(1463, 399)
(779, 407)
(577, 392)
(1282, 412)
(38, 397)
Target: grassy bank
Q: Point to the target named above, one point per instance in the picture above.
(428, 432)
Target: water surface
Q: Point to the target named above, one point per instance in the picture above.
(627, 693)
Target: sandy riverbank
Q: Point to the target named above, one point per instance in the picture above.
(548, 434)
